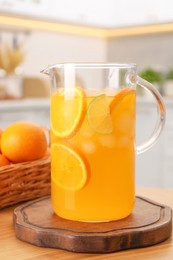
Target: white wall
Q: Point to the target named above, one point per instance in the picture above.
(155, 50)
(45, 48)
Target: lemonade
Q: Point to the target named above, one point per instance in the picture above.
(93, 153)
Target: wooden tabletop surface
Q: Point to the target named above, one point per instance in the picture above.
(12, 248)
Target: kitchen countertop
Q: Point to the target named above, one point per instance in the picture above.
(13, 249)
(24, 104)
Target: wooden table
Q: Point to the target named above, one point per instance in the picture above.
(12, 248)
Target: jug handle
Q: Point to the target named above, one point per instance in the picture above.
(161, 115)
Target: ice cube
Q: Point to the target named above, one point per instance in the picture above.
(108, 141)
(88, 147)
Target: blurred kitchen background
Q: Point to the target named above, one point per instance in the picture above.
(37, 33)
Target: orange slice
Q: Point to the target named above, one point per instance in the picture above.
(98, 114)
(123, 111)
(69, 171)
(67, 111)
(120, 96)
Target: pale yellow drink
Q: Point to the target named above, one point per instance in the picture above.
(93, 154)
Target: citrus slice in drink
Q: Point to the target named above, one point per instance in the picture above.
(125, 92)
(98, 114)
(123, 110)
(69, 170)
(67, 111)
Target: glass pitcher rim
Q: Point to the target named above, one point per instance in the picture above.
(87, 65)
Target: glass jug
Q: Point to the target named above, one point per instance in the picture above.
(93, 121)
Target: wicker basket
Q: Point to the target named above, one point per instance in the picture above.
(24, 181)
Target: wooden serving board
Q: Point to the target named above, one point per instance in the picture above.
(149, 224)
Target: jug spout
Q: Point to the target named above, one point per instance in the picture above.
(50, 70)
(46, 71)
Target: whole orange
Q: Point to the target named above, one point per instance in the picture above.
(47, 154)
(3, 160)
(23, 141)
(0, 137)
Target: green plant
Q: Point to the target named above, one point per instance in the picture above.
(169, 75)
(151, 75)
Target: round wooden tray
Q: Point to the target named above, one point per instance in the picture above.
(149, 224)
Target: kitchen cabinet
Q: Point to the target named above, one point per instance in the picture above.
(102, 19)
(102, 14)
(167, 160)
(34, 110)
(154, 168)
(148, 164)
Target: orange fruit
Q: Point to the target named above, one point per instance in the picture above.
(0, 137)
(3, 160)
(47, 154)
(120, 96)
(67, 111)
(69, 170)
(23, 141)
(99, 116)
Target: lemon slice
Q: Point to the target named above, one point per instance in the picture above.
(99, 116)
(67, 111)
(69, 171)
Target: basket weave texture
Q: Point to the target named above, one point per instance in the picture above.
(24, 181)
